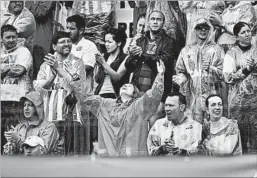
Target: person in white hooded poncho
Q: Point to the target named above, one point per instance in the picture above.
(199, 68)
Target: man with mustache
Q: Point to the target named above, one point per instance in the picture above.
(177, 133)
(23, 20)
(59, 75)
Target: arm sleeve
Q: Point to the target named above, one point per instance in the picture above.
(50, 136)
(41, 10)
(25, 25)
(154, 141)
(230, 72)
(217, 65)
(24, 59)
(148, 104)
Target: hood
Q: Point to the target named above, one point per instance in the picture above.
(210, 37)
(36, 98)
(241, 3)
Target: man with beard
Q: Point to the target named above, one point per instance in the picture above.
(85, 50)
(81, 47)
(59, 75)
(177, 133)
(23, 20)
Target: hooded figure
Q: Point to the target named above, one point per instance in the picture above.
(33, 124)
(199, 68)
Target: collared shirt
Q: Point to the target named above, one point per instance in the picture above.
(185, 135)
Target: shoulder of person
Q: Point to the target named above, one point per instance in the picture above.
(160, 123)
(123, 56)
(75, 58)
(23, 49)
(26, 13)
(232, 128)
(244, 8)
(88, 42)
(47, 124)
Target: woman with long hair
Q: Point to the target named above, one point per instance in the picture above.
(115, 40)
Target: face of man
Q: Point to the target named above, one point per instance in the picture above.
(29, 109)
(156, 21)
(9, 39)
(173, 108)
(16, 6)
(32, 151)
(202, 32)
(127, 89)
(63, 46)
(215, 108)
(141, 26)
(73, 30)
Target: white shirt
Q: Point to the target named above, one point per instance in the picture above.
(85, 50)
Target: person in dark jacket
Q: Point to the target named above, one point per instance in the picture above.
(115, 40)
(155, 45)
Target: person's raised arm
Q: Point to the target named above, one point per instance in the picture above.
(148, 104)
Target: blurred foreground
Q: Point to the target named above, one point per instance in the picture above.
(242, 166)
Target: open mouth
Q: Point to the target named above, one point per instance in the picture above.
(217, 112)
(26, 113)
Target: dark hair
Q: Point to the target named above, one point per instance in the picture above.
(182, 98)
(58, 35)
(237, 28)
(210, 96)
(136, 95)
(119, 36)
(142, 16)
(160, 12)
(7, 28)
(79, 20)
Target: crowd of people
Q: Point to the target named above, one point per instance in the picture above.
(185, 84)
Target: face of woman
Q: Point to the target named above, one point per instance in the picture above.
(110, 44)
(245, 36)
(141, 25)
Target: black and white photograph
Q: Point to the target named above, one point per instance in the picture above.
(128, 88)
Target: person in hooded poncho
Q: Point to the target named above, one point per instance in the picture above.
(199, 68)
(240, 72)
(33, 124)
